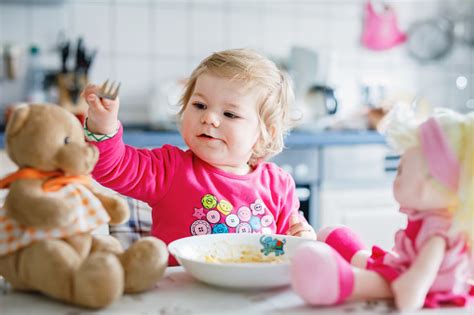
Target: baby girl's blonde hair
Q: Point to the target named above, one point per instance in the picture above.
(402, 132)
(253, 70)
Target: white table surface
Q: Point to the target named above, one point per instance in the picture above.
(179, 293)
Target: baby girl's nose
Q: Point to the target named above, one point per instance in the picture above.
(210, 118)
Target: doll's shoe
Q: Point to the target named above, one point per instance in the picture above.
(320, 275)
(345, 241)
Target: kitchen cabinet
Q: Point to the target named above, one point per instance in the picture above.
(370, 212)
(356, 190)
(304, 166)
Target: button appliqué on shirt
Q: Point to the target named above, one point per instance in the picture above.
(213, 216)
(244, 213)
(258, 207)
(200, 227)
(218, 217)
(267, 220)
(255, 223)
(232, 220)
(225, 207)
(243, 228)
(220, 228)
(209, 201)
(199, 213)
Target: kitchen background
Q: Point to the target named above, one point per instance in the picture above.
(149, 44)
(350, 60)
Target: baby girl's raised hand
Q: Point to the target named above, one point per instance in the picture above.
(102, 115)
(300, 228)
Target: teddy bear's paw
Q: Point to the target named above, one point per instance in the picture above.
(116, 207)
(99, 281)
(144, 263)
(106, 243)
(119, 211)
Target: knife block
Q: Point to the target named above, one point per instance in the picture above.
(70, 87)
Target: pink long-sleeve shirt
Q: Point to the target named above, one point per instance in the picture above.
(190, 197)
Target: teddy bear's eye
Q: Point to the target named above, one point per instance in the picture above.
(66, 140)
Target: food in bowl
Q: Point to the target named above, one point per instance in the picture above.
(237, 260)
(246, 255)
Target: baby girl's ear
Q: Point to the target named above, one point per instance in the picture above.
(272, 131)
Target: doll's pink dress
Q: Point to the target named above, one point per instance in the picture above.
(451, 285)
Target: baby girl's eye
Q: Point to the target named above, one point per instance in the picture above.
(199, 106)
(231, 115)
(399, 170)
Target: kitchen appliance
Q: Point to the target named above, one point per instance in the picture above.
(303, 164)
(322, 100)
(315, 99)
(304, 64)
(317, 108)
(431, 39)
(434, 38)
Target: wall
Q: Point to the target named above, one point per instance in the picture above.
(144, 43)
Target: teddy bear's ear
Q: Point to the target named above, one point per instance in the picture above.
(17, 120)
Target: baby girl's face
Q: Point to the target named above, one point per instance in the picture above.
(220, 123)
(414, 187)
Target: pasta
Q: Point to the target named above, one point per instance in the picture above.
(245, 256)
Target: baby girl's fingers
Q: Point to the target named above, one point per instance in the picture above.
(294, 219)
(297, 228)
(94, 102)
(89, 89)
(89, 93)
(109, 104)
(306, 234)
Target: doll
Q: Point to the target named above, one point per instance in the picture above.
(431, 262)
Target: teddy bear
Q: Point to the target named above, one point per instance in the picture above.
(51, 209)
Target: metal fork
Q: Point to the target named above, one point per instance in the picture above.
(109, 91)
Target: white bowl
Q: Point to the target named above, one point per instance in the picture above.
(196, 252)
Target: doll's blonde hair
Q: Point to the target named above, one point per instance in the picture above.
(402, 133)
(253, 70)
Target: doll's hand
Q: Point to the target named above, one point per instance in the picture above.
(407, 294)
(102, 115)
(301, 229)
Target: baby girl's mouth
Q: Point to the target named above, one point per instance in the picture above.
(203, 135)
(207, 137)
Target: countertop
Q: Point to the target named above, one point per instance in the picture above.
(296, 139)
(179, 293)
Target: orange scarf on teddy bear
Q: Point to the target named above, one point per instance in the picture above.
(55, 180)
(90, 214)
